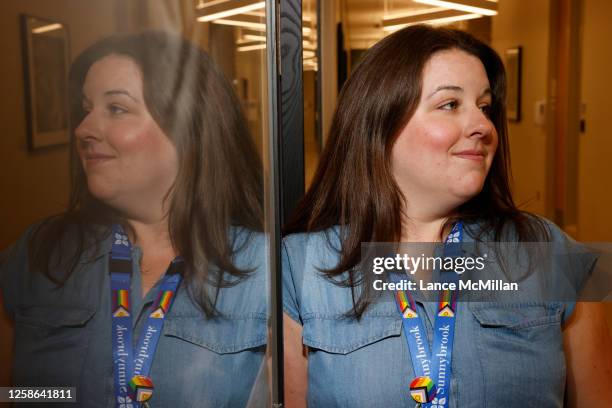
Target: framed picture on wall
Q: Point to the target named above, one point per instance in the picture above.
(513, 71)
(45, 66)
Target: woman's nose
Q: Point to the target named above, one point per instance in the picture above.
(88, 128)
(480, 124)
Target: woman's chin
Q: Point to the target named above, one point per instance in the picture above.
(468, 189)
(101, 191)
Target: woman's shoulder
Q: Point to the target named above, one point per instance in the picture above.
(547, 231)
(327, 239)
(17, 251)
(307, 290)
(15, 257)
(66, 278)
(310, 251)
(13, 264)
(535, 232)
(247, 244)
(525, 227)
(553, 233)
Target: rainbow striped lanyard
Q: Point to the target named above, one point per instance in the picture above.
(428, 366)
(133, 387)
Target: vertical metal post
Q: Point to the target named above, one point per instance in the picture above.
(286, 152)
(291, 106)
(273, 213)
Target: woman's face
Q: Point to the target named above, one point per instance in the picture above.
(127, 158)
(445, 151)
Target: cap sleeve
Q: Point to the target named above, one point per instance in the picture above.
(13, 269)
(574, 263)
(290, 297)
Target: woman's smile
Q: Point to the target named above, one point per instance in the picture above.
(476, 155)
(472, 154)
(94, 159)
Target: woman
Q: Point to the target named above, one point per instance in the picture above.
(159, 246)
(418, 147)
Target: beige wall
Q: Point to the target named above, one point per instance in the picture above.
(312, 151)
(329, 15)
(594, 165)
(525, 23)
(594, 168)
(249, 66)
(34, 185)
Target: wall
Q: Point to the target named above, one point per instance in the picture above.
(312, 151)
(328, 73)
(34, 185)
(595, 149)
(594, 169)
(525, 23)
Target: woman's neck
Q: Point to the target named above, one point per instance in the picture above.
(424, 216)
(414, 230)
(423, 220)
(150, 234)
(153, 239)
(424, 226)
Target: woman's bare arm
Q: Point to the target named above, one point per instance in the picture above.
(588, 353)
(295, 364)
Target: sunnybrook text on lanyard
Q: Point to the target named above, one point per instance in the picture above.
(428, 366)
(131, 368)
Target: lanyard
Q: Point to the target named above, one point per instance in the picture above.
(428, 366)
(131, 367)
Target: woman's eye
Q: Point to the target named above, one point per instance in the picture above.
(116, 109)
(450, 105)
(486, 109)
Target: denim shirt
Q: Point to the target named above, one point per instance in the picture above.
(63, 335)
(505, 355)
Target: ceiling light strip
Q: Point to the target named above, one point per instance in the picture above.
(228, 8)
(252, 47)
(244, 21)
(440, 17)
(390, 16)
(484, 7)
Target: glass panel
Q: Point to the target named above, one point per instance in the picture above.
(312, 135)
(146, 129)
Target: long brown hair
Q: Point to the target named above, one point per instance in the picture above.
(219, 182)
(353, 186)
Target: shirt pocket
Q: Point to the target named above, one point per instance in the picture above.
(49, 337)
(356, 363)
(215, 361)
(343, 335)
(520, 347)
(222, 335)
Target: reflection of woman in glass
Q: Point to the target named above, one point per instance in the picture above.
(161, 240)
(418, 149)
